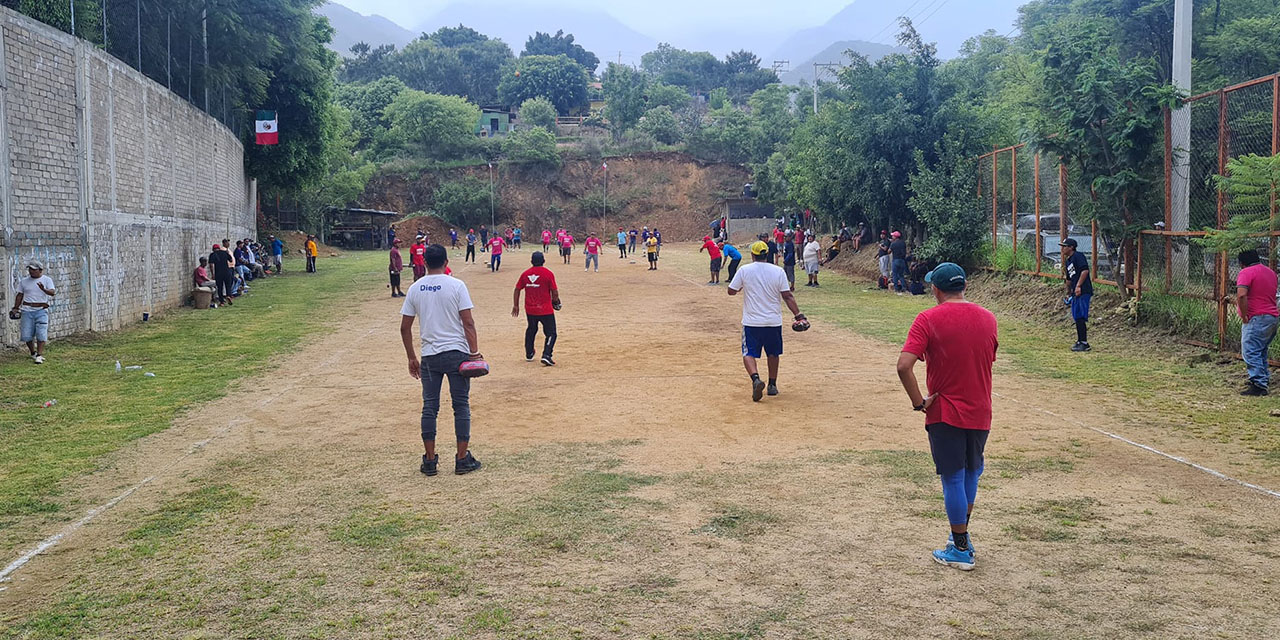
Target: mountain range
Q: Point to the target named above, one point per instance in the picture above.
(835, 54)
(868, 26)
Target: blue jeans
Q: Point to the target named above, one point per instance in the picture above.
(899, 278)
(593, 257)
(1255, 341)
(495, 261)
(434, 370)
(35, 325)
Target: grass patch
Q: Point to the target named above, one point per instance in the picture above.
(1017, 466)
(579, 506)
(1054, 520)
(184, 512)
(738, 523)
(916, 466)
(98, 411)
(379, 528)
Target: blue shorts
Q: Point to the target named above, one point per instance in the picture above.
(1080, 307)
(754, 339)
(35, 325)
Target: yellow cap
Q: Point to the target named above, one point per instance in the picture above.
(759, 248)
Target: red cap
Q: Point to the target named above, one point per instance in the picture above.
(216, 247)
(706, 237)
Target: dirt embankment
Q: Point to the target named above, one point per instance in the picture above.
(671, 191)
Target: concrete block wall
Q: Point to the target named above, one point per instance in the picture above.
(117, 184)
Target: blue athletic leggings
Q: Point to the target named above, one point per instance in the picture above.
(959, 490)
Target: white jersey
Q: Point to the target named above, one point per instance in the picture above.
(27, 286)
(436, 300)
(762, 285)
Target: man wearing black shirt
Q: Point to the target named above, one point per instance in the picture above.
(1079, 290)
(898, 251)
(789, 258)
(221, 261)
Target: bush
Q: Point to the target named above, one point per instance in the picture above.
(633, 142)
(439, 126)
(661, 124)
(946, 203)
(535, 147)
(464, 203)
(538, 112)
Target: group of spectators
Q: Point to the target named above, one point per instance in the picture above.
(233, 268)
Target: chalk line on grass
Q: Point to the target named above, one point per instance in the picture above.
(1179, 459)
(55, 539)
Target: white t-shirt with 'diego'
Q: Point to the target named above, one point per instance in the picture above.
(762, 285)
(436, 301)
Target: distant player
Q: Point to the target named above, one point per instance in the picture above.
(395, 265)
(957, 339)
(735, 256)
(471, 247)
(591, 247)
(789, 257)
(484, 238)
(812, 256)
(713, 250)
(651, 250)
(546, 239)
(417, 258)
(567, 245)
(622, 244)
(496, 244)
(657, 235)
(541, 299)
(763, 285)
(453, 238)
(631, 240)
(517, 235)
(1079, 290)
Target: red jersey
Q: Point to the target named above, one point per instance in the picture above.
(592, 245)
(546, 237)
(712, 248)
(566, 241)
(496, 244)
(418, 255)
(537, 284)
(957, 341)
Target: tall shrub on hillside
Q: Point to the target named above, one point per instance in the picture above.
(464, 202)
(535, 148)
(538, 112)
(435, 126)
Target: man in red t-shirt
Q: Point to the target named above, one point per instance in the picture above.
(546, 239)
(541, 301)
(957, 340)
(1256, 305)
(592, 248)
(496, 243)
(566, 246)
(713, 250)
(418, 258)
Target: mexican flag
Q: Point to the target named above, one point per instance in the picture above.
(267, 128)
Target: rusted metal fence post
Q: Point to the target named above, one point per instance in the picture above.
(1013, 231)
(1039, 248)
(995, 202)
(1275, 148)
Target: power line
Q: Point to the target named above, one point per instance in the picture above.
(893, 21)
(914, 18)
(935, 11)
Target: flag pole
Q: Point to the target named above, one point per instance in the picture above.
(605, 213)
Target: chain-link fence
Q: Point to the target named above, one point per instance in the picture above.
(188, 46)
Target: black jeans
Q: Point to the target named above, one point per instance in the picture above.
(311, 264)
(434, 370)
(471, 253)
(622, 251)
(733, 267)
(548, 328)
(225, 283)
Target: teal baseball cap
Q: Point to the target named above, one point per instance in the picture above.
(947, 276)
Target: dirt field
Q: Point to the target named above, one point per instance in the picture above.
(634, 491)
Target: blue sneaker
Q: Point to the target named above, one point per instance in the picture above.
(953, 557)
(951, 539)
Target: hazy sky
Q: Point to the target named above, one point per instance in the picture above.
(654, 18)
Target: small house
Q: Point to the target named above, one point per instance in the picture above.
(494, 122)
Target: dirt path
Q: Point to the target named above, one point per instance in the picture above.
(634, 490)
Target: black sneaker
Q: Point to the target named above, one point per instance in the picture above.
(1080, 347)
(528, 357)
(773, 389)
(430, 467)
(466, 464)
(548, 361)
(1254, 390)
(757, 390)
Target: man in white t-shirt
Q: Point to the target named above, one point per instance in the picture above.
(812, 259)
(442, 305)
(35, 295)
(765, 288)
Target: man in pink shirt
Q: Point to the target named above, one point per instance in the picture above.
(546, 240)
(592, 246)
(566, 246)
(496, 243)
(1256, 304)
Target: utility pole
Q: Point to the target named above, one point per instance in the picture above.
(137, 7)
(492, 215)
(1180, 134)
(606, 191)
(73, 17)
(204, 37)
(781, 66)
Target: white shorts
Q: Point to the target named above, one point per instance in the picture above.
(811, 267)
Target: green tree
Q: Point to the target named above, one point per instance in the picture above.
(1252, 184)
(743, 75)
(661, 94)
(726, 136)
(696, 71)
(538, 112)
(457, 61)
(545, 44)
(775, 119)
(534, 147)
(368, 104)
(464, 202)
(434, 125)
(624, 94)
(345, 176)
(661, 123)
(556, 78)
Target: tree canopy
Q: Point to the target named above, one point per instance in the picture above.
(544, 44)
(557, 78)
